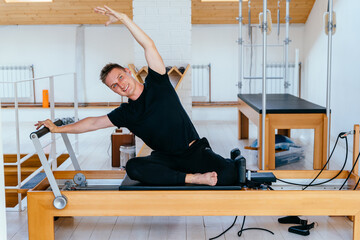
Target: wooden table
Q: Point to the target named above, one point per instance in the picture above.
(283, 111)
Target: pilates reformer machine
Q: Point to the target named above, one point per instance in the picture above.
(111, 193)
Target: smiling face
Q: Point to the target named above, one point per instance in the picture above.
(121, 82)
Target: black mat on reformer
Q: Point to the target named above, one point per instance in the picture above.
(129, 184)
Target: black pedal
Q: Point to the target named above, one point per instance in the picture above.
(240, 163)
(263, 177)
(251, 179)
(292, 220)
(234, 153)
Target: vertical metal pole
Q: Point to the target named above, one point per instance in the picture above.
(17, 124)
(249, 19)
(3, 229)
(209, 66)
(52, 117)
(240, 48)
(76, 111)
(296, 73)
(328, 86)
(33, 76)
(264, 31)
(287, 41)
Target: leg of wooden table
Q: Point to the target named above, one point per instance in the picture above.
(271, 150)
(324, 140)
(356, 227)
(317, 147)
(40, 221)
(356, 148)
(259, 142)
(320, 144)
(243, 126)
(267, 144)
(284, 132)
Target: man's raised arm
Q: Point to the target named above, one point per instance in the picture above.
(152, 56)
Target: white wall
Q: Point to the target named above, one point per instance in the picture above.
(345, 87)
(216, 44)
(168, 23)
(49, 48)
(104, 45)
(52, 51)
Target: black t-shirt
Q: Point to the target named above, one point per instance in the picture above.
(157, 116)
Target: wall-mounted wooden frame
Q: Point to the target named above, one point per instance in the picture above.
(175, 75)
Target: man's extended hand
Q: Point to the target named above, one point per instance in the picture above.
(152, 55)
(47, 123)
(113, 15)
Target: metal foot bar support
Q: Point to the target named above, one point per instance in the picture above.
(70, 151)
(60, 200)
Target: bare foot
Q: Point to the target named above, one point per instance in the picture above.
(209, 178)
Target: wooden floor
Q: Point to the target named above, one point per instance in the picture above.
(95, 154)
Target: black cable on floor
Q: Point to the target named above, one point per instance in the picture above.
(245, 229)
(243, 223)
(241, 230)
(225, 230)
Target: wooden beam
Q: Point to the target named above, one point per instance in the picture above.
(225, 12)
(59, 12)
(203, 11)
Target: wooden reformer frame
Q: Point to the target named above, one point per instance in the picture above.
(41, 211)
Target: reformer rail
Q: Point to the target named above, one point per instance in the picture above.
(53, 153)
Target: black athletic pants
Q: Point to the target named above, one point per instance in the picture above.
(167, 169)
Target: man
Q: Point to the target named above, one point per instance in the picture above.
(154, 113)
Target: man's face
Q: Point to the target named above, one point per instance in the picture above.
(121, 82)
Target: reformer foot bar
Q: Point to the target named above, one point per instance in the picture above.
(82, 199)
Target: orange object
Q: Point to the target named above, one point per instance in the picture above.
(45, 102)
